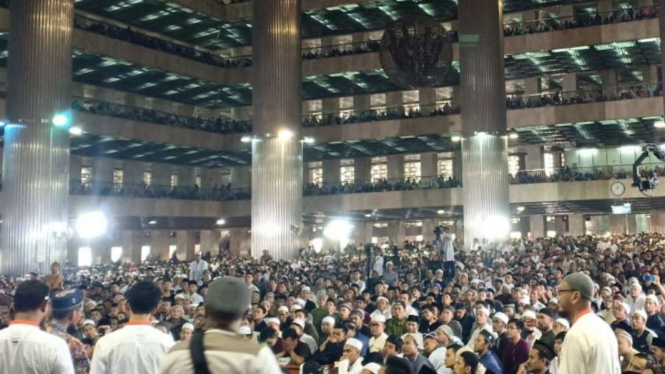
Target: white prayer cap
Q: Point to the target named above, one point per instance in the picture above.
(244, 330)
(373, 367)
(273, 320)
(355, 343)
(188, 326)
(501, 317)
(378, 318)
(329, 320)
(529, 314)
(283, 308)
(563, 322)
(89, 322)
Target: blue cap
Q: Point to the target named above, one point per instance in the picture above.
(66, 300)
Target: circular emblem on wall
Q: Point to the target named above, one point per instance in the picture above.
(617, 189)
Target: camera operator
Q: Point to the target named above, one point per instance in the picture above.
(443, 243)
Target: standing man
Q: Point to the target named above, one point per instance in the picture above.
(590, 345)
(196, 268)
(137, 348)
(448, 254)
(378, 262)
(54, 281)
(24, 348)
(220, 348)
(67, 310)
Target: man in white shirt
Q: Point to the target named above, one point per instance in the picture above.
(24, 348)
(378, 262)
(377, 329)
(590, 345)
(192, 294)
(196, 268)
(352, 362)
(137, 348)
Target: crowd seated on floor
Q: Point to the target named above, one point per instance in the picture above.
(498, 308)
(631, 13)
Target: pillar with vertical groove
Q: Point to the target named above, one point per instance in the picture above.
(36, 154)
(484, 145)
(277, 165)
(661, 23)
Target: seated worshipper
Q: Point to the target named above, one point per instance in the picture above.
(640, 363)
(397, 324)
(371, 368)
(540, 357)
(642, 336)
(186, 332)
(412, 328)
(545, 318)
(517, 350)
(309, 329)
(332, 349)
(451, 357)
(430, 320)
(379, 337)
(297, 351)
(558, 343)
(299, 326)
(382, 307)
(352, 333)
(397, 365)
(351, 362)
(448, 318)
(561, 325)
(530, 331)
(625, 347)
(392, 348)
(421, 364)
(358, 317)
(499, 324)
(621, 312)
(483, 348)
(434, 351)
(482, 323)
(446, 337)
(654, 321)
(327, 325)
(466, 363)
(274, 324)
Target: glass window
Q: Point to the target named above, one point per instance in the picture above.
(86, 176)
(118, 178)
(513, 165)
(316, 175)
(172, 249)
(445, 168)
(174, 180)
(85, 256)
(549, 163)
(116, 254)
(413, 224)
(198, 181)
(379, 168)
(348, 174)
(147, 178)
(412, 169)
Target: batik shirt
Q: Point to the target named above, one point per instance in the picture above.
(76, 347)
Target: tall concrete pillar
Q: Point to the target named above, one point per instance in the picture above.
(576, 225)
(429, 164)
(395, 167)
(160, 245)
(331, 172)
(36, 153)
(560, 225)
(537, 226)
(657, 222)
(209, 241)
(363, 169)
(397, 232)
(618, 223)
(186, 243)
(362, 102)
(484, 147)
(130, 241)
(570, 82)
(427, 100)
(532, 86)
(241, 177)
(277, 160)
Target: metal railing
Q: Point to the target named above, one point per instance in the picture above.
(141, 190)
(583, 174)
(381, 185)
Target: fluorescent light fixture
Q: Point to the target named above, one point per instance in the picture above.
(91, 225)
(220, 222)
(368, 215)
(456, 138)
(520, 209)
(440, 211)
(246, 139)
(285, 134)
(60, 120)
(152, 222)
(659, 124)
(513, 135)
(308, 140)
(338, 229)
(76, 131)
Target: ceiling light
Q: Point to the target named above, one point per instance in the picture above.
(246, 139)
(308, 140)
(659, 124)
(60, 120)
(440, 211)
(220, 222)
(513, 135)
(91, 225)
(456, 138)
(76, 131)
(520, 208)
(285, 134)
(368, 215)
(152, 222)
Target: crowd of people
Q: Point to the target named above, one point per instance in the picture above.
(381, 185)
(142, 190)
(218, 124)
(631, 13)
(372, 115)
(546, 305)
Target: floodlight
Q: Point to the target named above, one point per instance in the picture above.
(285, 134)
(76, 131)
(61, 120)
(220, 222)
(91, 225)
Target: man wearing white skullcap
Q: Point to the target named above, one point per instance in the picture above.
(351, 362)
(371, 368)
(379, 337)
(482, 323)
(642, 336)
(530, 320)
(327, 325)
(654, 320)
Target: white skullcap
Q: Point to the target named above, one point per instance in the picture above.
(244, 330)
(355, 343)
(273, 320)
(653, 298)
(625, 307)
(382, 298)
(179, 296)
(306, 288)
(89, 322)
(483, 310)
(501, 317)
(529, 314)
(389, 263)
(373, 367)
(563, 322)
(328, 319)
(378, 318)
(188, 326)
(296, 307)
(300, 323)
(553, 300)
(283, 308)
(641, 313)
(301, 301)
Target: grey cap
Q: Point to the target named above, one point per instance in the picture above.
(581, 283)
(228, 295)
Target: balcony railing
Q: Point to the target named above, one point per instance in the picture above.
(221, 193)
(583, 174)
(381, 185)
